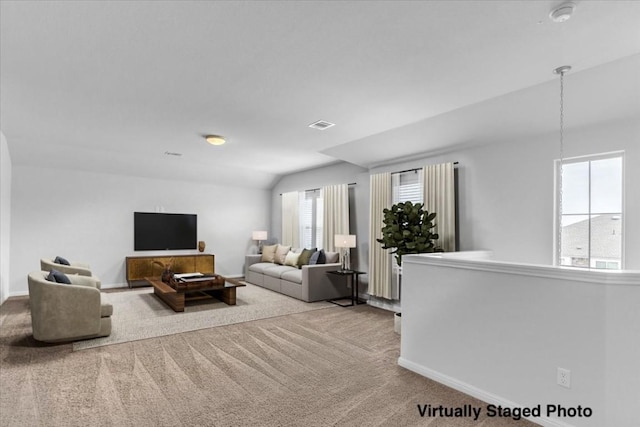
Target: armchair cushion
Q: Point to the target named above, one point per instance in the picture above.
(58, 277)
(60, 260)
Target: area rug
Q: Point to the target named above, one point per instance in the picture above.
(139, 314)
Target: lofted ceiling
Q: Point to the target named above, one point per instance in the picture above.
(112, 86)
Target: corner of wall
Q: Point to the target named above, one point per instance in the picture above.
(5, 217)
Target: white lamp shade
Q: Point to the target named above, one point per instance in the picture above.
(259, 235)
(345, 241)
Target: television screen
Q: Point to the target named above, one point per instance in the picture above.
(161, 231)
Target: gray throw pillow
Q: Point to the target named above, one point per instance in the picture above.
(58, 277)
(305, 257)
(318, 258)
(60, 260)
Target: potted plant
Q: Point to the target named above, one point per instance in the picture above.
(407, 230)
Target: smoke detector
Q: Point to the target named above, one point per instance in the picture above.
(563, 12)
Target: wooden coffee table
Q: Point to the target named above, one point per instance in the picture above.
(175, 298)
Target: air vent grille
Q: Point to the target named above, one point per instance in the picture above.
(321, 125)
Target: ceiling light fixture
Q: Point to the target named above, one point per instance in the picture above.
(215, 139)
(562, 12)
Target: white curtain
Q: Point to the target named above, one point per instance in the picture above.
(379, 259)
(335, 214)
(439, 197)
(290, 219)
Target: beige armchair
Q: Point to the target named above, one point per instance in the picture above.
(61, 312)
(46, 264)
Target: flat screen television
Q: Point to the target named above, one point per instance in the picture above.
(163, 231)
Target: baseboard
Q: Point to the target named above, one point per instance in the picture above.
(113, 285)
(384, 304)
(483, 395)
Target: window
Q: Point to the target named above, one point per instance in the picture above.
(311, 219)
(591, 219)
(407, 186)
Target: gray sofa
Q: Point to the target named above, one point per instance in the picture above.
(309, 283)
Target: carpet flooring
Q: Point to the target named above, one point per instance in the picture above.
(333, 367)
(139, 314)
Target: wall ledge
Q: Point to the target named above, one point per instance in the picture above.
(605, 277)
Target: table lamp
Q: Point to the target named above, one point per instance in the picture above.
(259, 236)
(345, 242)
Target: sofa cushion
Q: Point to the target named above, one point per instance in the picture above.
(305, 256)
(261, 267)
(281, 253)
(294, 276)
(60, 260)
(292, 259)
(332, 257)
(58, 277)
(268, 253)
(318, 258)
(278, 270)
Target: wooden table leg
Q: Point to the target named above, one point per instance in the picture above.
(229, 296)
(174, 300)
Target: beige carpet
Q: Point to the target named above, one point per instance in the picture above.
(139, 314)
(335, 367)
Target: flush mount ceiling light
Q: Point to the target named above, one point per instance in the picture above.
(321, 125)
(215, 139)
(562, 12)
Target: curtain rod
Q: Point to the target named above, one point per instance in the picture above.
(413, 170)
(316, 189)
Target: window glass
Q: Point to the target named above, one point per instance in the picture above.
(575, 188)
(311, 217)
(606, 185)
(591, 222)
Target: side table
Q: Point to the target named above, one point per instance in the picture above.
(352, 277)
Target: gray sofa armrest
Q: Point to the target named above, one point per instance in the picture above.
(317, 285)
(249, 260)
(64, 311)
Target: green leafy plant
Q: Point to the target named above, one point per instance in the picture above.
(407, 230)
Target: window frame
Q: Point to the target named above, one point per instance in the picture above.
(557, 215)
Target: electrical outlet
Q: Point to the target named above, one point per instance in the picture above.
(564, 377)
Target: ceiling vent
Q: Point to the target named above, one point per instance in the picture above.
(321, 125)
(170, 153)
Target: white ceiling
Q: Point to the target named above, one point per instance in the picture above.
(111, 86)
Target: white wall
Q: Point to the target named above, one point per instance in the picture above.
(499, 331)
(5, 217)
(89, 217)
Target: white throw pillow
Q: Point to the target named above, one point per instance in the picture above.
(292, 259)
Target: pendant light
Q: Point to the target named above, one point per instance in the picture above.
(561, 71)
